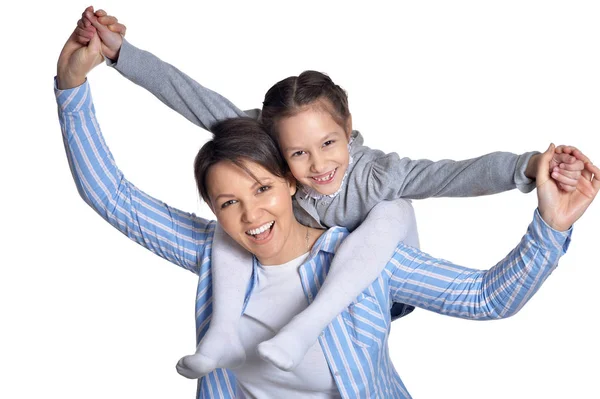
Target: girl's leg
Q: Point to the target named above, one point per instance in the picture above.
(221, 346)
(358, 262)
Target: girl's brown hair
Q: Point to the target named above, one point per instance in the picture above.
(291, 95)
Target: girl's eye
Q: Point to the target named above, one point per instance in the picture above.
(263, 189)
(298, 153)
(328, 143)
(227, 203)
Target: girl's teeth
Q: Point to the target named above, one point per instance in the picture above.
(328, 177)
(260, 229)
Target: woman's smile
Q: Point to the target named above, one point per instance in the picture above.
(263, 233)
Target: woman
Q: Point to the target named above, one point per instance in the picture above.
(352, 354)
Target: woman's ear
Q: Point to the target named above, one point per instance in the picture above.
(210, 205)
(349, 127)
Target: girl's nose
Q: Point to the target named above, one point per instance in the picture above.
(317, 165)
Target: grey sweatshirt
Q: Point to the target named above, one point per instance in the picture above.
(372, 177)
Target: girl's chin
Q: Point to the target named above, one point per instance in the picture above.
(330, 189)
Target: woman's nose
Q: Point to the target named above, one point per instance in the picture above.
(251, 212)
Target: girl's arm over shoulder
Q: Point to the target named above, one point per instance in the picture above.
(179, 237)
(198, 104)
(391, 176)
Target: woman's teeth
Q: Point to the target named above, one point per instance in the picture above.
(261, 229)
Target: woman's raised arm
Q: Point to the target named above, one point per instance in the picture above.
(438, 285)
(172, 234)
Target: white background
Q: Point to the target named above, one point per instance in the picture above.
(88, 314)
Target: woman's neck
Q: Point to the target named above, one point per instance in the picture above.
(300, 241)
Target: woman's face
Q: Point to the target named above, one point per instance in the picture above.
(256, 214)
(315, 148)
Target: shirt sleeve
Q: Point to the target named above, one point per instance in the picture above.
(176, 236)
(175, 89)
(434, 284)
(392, 177)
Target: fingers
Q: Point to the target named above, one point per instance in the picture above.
(543, 170)
(566, 170)
(571, 174)
(118, 28)
(95, 44)
(573, 166)
(111, 22)
(83, 36)
(107, 20)
(591, 173)
(566, 188)
(86, 13)
(591, 169)
(571, 150)
(565, 180)
(566, 149)
(99, 27)
(563, 158)
(84, 22)
(84, 31)
(579, 155)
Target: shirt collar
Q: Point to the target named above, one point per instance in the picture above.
(329, 241)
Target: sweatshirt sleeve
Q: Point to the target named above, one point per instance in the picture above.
(391, 177)
(175, 89)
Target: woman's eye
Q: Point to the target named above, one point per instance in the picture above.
(227, 203)
(298, 153)
(263, 189)
(328, 143)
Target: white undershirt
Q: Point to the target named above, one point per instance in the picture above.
(277, 297)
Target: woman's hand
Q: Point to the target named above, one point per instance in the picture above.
(559, 208)
(108, 27)
(76, 60)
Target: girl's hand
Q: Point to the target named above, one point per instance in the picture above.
(560, 208)
(564, 167)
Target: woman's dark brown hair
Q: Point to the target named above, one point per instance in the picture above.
(237, 141)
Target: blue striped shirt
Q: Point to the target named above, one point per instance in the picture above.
(355, 343)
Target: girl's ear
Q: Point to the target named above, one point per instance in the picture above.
(349, 127)
(292, 184)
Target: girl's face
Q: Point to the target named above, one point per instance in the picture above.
(257, 214)
(315, 148)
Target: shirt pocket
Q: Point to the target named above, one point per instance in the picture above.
(366, 323)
